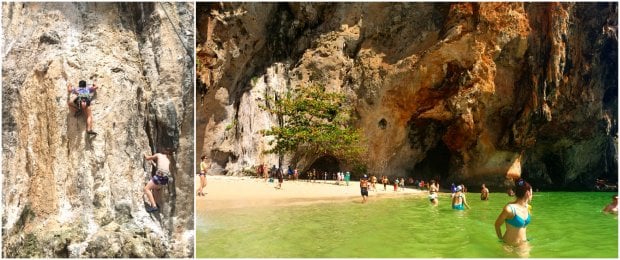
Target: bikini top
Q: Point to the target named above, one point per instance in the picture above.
(517, 221)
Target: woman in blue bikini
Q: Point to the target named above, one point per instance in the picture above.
(459, 202)
(516, 216)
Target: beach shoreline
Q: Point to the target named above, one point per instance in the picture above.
(229, 192)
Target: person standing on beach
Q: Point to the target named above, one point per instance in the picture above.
(613, 206)
(289, 172)
(338, 178)
(259, 171)
(385, 181)
(484, 193)
(264, 171)
(364, 188)
(516, 216)
(202, 175)
(402, 184)
(347, 177)
(272, 171)
(280, 177)
(373, 182)
(396, 184)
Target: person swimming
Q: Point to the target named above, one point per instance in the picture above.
(516, 215)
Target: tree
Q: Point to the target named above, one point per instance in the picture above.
(311, 118)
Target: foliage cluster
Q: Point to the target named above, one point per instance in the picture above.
(312, 118)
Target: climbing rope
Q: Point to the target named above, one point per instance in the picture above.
(175, 31)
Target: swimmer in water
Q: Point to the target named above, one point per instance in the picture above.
(516, 215)
(459, 202)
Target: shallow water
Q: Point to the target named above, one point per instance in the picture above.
(564, 224)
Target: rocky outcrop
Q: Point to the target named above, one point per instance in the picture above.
(459, 92)
(66, 194)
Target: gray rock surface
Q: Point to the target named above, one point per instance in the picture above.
(66, 194)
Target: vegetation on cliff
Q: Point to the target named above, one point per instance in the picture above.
(312, 118)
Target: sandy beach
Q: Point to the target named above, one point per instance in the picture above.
(226, 192)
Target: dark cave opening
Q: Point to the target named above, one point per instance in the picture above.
(436, 164)
(327, 164)
(426, 135)
(554, 167)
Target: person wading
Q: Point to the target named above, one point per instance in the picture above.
(202, 175)
(516, 216)
(484, 193)
(459, 202)
(433, 189)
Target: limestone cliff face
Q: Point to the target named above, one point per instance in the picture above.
(459, 91)
(66, 194)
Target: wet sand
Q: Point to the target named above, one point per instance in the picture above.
(225, 192)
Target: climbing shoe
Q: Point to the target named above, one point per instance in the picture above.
(91, 132)
(151, 209)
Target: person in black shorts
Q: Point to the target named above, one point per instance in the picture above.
(364, 188)
(158, 180)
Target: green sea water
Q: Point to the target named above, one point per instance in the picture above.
(564, 225)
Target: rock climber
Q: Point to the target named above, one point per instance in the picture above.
(82, 99)
(158, 180)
